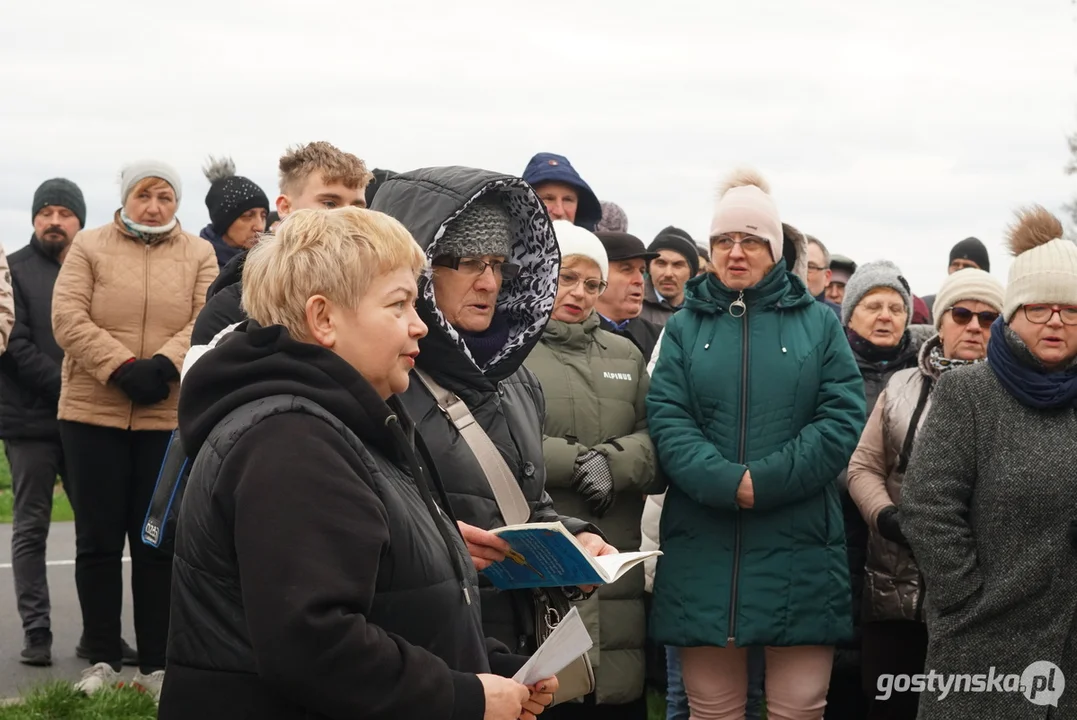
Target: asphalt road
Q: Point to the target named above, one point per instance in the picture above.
(66, 618)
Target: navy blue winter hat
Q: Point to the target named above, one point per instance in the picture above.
(547, 167)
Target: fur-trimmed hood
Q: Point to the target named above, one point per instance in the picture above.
(428, 200)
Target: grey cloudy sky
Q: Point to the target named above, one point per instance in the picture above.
(886, 129)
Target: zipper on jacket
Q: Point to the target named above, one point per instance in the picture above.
(145, 312)
(738, 304)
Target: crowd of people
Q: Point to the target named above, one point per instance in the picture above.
(847, 482)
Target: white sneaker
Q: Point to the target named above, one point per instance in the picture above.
(150, 684)
(97, 677)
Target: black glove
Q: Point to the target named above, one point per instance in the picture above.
(593, 480)
(890, 526)
(142, 381)
(167, 369)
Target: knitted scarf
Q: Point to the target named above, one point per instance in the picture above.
(942, 364)
(146, 233)
(1023, 377)
(484, 345)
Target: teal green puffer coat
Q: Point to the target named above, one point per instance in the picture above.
(775, 391)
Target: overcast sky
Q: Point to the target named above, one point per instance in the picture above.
(886, 129)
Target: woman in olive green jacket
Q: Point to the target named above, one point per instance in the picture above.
(599, 461)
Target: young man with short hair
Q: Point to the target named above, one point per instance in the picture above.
(312, 176)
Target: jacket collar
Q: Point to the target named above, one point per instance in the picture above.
(572, 336)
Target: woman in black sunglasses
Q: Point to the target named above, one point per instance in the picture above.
(990, 497)
(894, 633)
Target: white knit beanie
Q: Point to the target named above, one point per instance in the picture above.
(1044, 269)
(142, 169)
(575, 240)
(967, 284)
(745, 206)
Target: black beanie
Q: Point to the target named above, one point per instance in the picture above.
(62, 192)
(679, 241)
(230, 195)
(971, 249)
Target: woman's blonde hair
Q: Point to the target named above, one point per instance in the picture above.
(334, 253)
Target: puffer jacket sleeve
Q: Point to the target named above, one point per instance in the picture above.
(560, 456)
(35, 369)
(176, 347)
(690, 461)
(936, 496)
(90, 345)
(632, 458)
(7, 302)
(542, 509)
(822, 448)
(870, 465)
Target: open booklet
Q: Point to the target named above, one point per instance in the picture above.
(547, 555)
(567, 642)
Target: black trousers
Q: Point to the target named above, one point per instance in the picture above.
(897, 647)
(112, 473)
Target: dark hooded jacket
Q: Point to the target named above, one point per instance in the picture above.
(548, 167)
(225, 252)
(222, 306)
(505, 398)
(315, 575)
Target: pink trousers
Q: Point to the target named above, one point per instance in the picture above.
(716, 680)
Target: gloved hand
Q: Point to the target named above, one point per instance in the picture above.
(890, 526)
(167, 369)
(142, 381)
(593, 480)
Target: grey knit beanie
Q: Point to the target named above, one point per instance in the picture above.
(869, 276)
(142, 169)
(484, 228)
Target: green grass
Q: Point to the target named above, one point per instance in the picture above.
(58, 701)
(61, 508)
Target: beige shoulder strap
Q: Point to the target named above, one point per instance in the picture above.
(510, 498)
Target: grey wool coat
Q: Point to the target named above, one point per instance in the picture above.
(987, 504)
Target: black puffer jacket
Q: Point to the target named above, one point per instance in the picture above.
(313, 576)
(30, 368)
(223, 307)
(504, 397)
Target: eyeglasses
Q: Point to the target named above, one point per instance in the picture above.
(570, 280)
(1042, 314)
(477, 266)
(963, 316)
(749, 244)
(816, 268)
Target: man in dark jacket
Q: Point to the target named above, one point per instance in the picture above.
(495, 264)
(819, 273)
(667, 274)
(316, 175)
(29, 392)
(563, 191)
(622, 302)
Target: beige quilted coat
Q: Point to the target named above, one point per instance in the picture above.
(118, 298)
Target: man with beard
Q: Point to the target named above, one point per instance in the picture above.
(29, 393)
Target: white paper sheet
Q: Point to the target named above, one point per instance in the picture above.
(567, 642)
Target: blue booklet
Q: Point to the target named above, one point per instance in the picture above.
(547, 555)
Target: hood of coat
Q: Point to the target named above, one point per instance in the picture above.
(230, 274)
(780, 287)
(924, 363)
(426, 201)
(254, 362)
